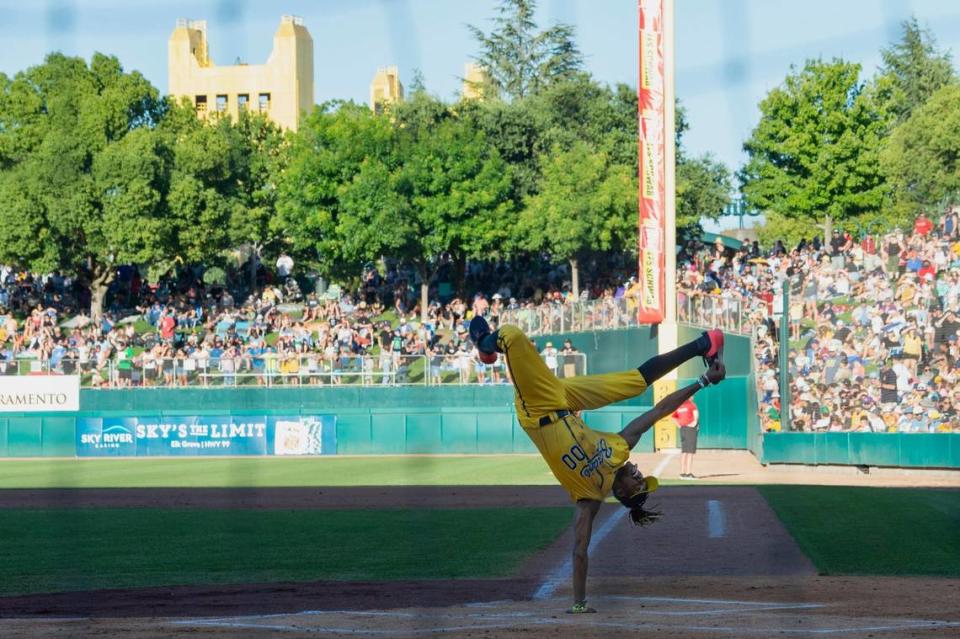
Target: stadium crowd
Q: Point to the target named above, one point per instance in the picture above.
(874, 324)
(180, 331)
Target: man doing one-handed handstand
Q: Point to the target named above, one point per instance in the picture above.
(591, 464)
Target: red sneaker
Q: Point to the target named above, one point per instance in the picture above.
(715, 352)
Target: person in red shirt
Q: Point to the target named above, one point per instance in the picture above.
(168, 325)
(922, 225)
(688, 419)
(927, 271)
(767, 296)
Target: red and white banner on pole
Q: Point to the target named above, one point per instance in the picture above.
(651, 90)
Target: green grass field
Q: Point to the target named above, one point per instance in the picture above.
(872, 531)
(60, 550)
(381, 470)
(844, 531)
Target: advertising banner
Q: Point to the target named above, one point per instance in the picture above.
(206, 435)
(651, 112)
(39, 393)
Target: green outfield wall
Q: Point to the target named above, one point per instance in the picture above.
(369, 421)
(480, 419)
(911, 450)
(408, 419)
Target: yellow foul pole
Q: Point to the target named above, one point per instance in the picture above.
(665, 432)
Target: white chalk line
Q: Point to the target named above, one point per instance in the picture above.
(358, 631)
(489, 604)
(718, 611)
(564, 571)
(740, 607)
(725, 602)
(51, 619)
(716, 519)
(777, 630)
(905, 624)
(306, 613)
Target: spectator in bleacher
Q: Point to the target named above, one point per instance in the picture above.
(550, 357)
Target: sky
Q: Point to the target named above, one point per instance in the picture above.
(730, 53)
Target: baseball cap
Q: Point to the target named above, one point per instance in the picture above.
(652, 483)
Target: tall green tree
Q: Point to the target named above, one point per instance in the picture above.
(84, 171)
(520, 59)
(202, 185)
(703, 187)
(447, 191)
(458, 189)
(513, 129)
(916, 69)
(585, 204)
(815, 152)
(324, 157)
(261, 161)
(580, 109)
(575, 109)
(922, 158)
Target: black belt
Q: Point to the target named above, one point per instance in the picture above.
(549, 418)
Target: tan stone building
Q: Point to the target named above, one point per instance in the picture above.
(476, 82)
(385, 88)
(282, 88)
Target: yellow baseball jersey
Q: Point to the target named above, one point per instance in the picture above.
(584, 461)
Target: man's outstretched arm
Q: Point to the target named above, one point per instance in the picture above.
(587, 510)
(665, 407)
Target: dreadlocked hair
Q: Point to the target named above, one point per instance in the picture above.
(638, 514)
(642, 517)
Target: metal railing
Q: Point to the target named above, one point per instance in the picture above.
(314, 369)
(705, 309)
(719, 311)
(604, 314)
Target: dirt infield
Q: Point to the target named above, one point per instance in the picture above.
(719, 564)
(672, 608)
